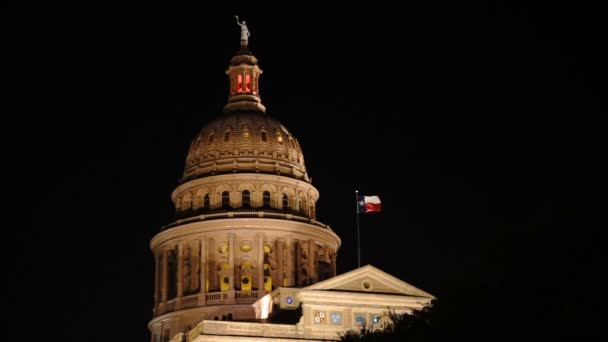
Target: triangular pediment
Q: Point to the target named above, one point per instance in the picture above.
(369, 279)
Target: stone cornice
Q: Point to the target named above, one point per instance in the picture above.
(360, 299)
(283, 228)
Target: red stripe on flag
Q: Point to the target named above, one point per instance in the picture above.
(371, 207)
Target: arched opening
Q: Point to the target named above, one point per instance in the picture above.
(225, 200)
(246, 197)
(211, 137)
(264, 136)
(227, 136)
(285, 202)
(266, 199)
(302, 208)
(206, 202)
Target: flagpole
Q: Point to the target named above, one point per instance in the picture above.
(358, 236)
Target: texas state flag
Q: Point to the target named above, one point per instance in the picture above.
(368, 204)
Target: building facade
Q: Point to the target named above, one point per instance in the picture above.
(246, 258)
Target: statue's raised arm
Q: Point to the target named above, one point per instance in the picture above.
(244, 30)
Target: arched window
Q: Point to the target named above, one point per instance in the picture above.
(285, 202)
(227, 136)
(293, 145)
(211, 136)
(303, 208)
(264, 136)
(206, 204)
(225, 200)
(266, 199)
(245, 133)
(246, 199)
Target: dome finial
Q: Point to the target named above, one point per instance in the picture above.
(244, 74)
(244, 32)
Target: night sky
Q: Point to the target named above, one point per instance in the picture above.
(477, 124)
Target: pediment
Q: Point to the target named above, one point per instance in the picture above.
(369, 279)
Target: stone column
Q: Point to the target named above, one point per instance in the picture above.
(289, 262)
(180, 269)
(280, 247)
(231, 256)
(333, 263)
(211, 267)
(260, 262)
(157, 280)
(163, 286)
(231, 294)
(313, 276)
(203, 271)
(297, 250)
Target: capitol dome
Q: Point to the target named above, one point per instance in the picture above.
(245, 216)
(244, 142)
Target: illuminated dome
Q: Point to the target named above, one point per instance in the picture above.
(245, 217)
(244, 142)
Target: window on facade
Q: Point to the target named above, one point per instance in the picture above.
(266, 199)
(246, 199)
(279, 138)
(293, 145)
(211, 136)
(245, 133)
(225, 200)
(206, 204)
(267, 278)
(285, 202)
(227, 136)
(264, 136)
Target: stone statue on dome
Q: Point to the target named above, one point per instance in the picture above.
(244, 31)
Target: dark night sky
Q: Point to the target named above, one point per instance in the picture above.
(478, 125)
